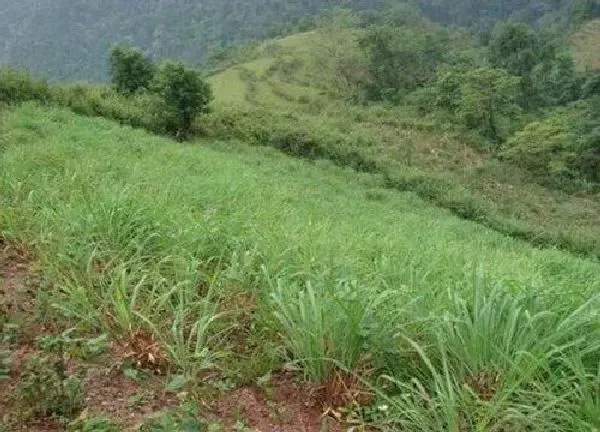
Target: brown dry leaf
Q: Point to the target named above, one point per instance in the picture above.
(144, 351)
(486, 384)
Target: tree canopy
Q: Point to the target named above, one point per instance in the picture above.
(68, 39)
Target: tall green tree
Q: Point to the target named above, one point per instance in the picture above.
(401, 59)
(130, 69)
(488, 101)
(185, 96)
(557, 82)
(517, 49)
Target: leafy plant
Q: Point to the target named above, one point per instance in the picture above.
(325, 328)
(93, 424)
(493, 361)
(181, 419)
(130, 69)
(19, 86)
(46, 390)
(185, 95)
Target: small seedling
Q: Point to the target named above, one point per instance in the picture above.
(92, 424)
(45, 390)
(176, 420)
(5, 362)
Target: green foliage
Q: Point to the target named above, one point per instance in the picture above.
(563, 145)
(448, 88)
(185, 95)
(591, 87)
(19, 86)
(142, 110)
(557, 82)
(324, 327)
(130, 69)
(401, 59)
(386, 280)
(517, 49)
(488, 101)
(546, 147)
(93, 424)
(177, 420)
(5, 364)
(45, 389)
(183, 418)
(496, 361)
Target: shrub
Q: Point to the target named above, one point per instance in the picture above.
(142, 110)
(592, 86)
(185, 95)
(130, 69)
(562, 146)
(545, 147)
(45, 389)
(20, 86)
(588, 162)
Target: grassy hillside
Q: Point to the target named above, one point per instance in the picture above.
(214, 265)
(289, 95)
(585, 46)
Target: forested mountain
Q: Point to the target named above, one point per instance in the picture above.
(69, 39)
(483, 14)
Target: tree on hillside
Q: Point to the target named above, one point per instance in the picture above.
(488, 101)
(518, 50)
(557, 82)
(591, 87)
(185, 95)
(401, 59)
(130, 69)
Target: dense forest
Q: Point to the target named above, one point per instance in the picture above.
(68, 39)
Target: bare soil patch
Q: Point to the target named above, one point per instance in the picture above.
(282, 406)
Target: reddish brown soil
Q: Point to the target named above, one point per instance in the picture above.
(107, 391)
(283, 407)
(123, 400)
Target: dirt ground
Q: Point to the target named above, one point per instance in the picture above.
(279, 406)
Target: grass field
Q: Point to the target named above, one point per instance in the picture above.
(287, 93)
(203, 270)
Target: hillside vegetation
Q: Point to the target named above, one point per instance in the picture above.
(379, 223)
(68, 39)
(291, 96)
(234, 260)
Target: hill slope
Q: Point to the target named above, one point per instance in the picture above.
(196, 258)
(69, 39)
(289, 91)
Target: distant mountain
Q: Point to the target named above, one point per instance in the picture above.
(69, 39)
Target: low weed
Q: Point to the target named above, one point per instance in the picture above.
(324, 327)
(46, 390)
